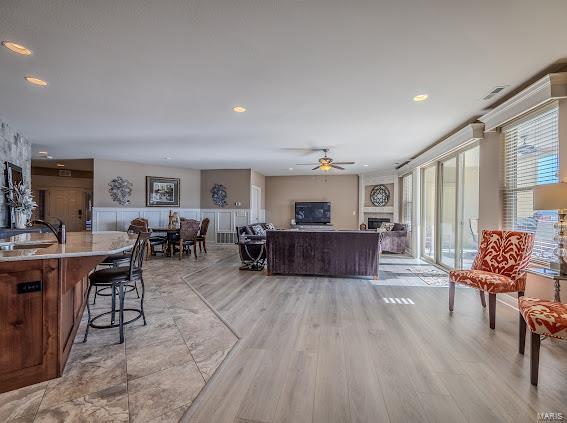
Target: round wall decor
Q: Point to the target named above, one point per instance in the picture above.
(218, 194)
(380, 195)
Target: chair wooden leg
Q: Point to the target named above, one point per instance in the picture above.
(523, 327)
(205, 245)
(492, 310)
(194, 249)
(200, 247)
(534, 361)
(482, 299)
(180, 249)
(451, 295)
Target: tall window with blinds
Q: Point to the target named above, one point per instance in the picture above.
(407, 197)
(531, 157)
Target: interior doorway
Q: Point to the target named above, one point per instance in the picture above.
(255, 203)
(63, 191)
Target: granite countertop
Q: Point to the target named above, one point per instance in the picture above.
(40, 246)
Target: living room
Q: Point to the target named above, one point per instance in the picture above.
(283, 211)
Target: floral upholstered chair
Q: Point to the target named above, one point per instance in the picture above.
(499, 267)
(544, 318)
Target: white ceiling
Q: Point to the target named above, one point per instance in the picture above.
(138, 80)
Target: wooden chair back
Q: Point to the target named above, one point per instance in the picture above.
(204, 227)
(189, 229)
(142, 223)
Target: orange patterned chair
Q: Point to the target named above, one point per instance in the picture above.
(499, 267)
(544, 318)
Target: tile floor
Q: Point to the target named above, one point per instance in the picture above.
(158, 371)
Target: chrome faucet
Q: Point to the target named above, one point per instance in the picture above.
(60, 233)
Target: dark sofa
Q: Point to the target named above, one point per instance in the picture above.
(394, 240)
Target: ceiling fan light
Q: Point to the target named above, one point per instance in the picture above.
(325, 167)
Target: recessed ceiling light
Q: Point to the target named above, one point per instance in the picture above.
(48, 157)
(239, 109)
(291, 168)
(60, 165)
(365, 165)
(36, 81)
(420, 97)
(17, 48)
(42, 152)
(167, 157)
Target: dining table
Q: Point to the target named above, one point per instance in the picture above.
(171, 234)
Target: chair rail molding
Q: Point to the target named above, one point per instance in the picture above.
(221, 220)
(545, 90)
(467, 135)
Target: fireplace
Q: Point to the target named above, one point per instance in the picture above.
(376, 222)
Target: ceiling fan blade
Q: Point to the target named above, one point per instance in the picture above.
(304, 151)
(305, 164)
(344, 163)
(337, 167)
(315, 168)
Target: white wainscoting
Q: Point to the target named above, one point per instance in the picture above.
(222, 221)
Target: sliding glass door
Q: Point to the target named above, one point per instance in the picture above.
(469, 200)
(429, 207)
(450, 196)
(448, 213)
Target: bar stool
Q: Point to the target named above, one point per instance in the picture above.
(117, 278)
(118, 260)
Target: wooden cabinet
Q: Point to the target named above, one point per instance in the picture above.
(41, 305)
(28, 319)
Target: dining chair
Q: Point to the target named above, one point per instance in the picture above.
(188, 232)
(499, 267)
(202, 236)
(544, 318)
(154, 240)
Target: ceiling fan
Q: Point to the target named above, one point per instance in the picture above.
(326, 163)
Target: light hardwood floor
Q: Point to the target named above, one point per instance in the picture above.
(333, 350)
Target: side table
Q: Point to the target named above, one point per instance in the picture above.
(550, 274)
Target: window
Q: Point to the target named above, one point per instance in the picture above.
(407, 204)
(531, 157)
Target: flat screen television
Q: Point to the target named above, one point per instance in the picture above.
(312, 213)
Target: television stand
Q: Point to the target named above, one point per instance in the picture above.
(312, 227)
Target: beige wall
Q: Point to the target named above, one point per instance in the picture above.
(236, 181)
(341, 190)
(259, 180)
(105, 170)
(46, 182)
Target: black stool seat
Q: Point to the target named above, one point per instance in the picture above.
(113, 275)
(116, 280)
(117, 260)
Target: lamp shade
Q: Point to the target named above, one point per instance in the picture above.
(550, 196)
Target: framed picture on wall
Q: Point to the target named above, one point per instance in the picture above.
(162, 192)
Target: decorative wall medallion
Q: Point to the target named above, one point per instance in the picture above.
(380, 195)
(218, 194)
(120, 190)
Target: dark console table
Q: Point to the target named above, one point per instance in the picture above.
(325, 253)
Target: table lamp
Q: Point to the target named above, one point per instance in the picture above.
(554, 197)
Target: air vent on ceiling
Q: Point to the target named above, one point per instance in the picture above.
(64, 172)
(495, 92)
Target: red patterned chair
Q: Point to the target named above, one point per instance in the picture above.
(499, 267)
(545, 318)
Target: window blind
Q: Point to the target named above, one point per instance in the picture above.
(531, 157)
(407, 205)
